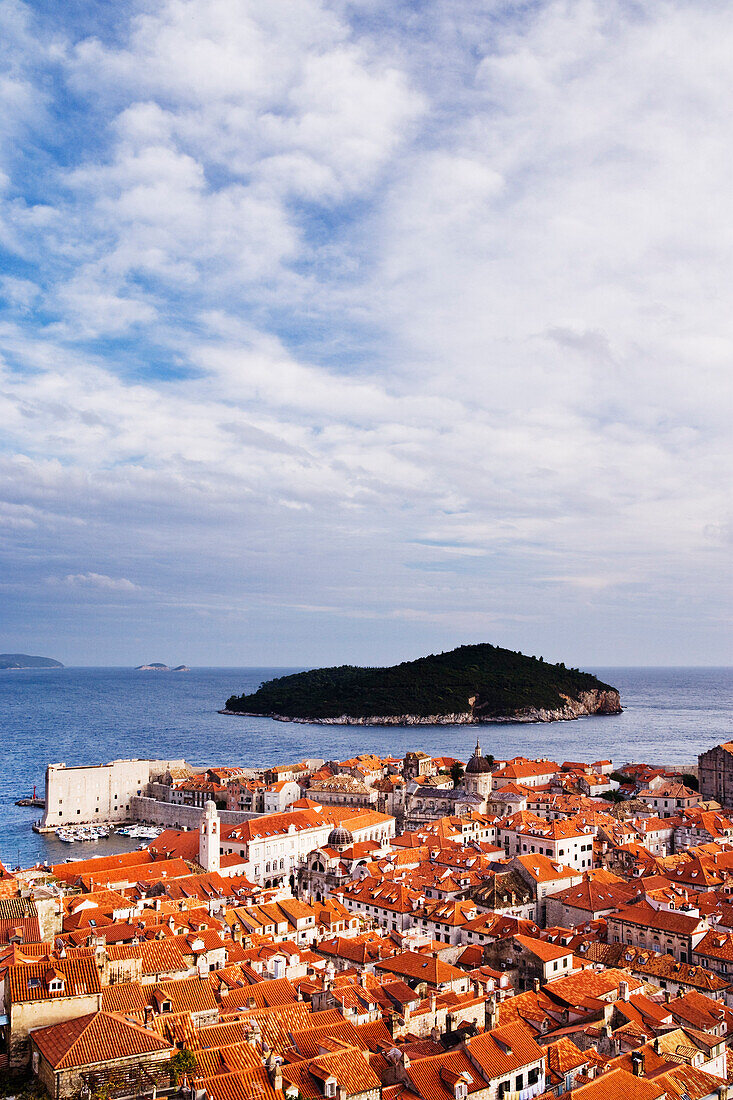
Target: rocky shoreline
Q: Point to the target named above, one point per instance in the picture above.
(589, 702)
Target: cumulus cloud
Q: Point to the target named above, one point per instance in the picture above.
(302, 292)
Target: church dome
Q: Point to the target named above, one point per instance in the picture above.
(478, 763)
(339, 837)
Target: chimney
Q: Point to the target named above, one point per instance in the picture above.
(490, 1014)
(637, 1063)
(623, 990)
(536, 985)
(667, 996)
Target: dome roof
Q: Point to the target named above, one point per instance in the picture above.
(339, 837)
(478, 763)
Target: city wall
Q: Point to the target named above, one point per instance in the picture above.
(152, 812)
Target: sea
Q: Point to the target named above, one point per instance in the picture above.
(92, 715)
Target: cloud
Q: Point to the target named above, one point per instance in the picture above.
(101, 581)
(293, 288)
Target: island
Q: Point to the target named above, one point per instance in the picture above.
(9, 662)
(156, 666)
(470, 684)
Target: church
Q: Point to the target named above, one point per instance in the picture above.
(427, 801)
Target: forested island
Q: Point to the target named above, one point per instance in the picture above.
(471, 684)
(12, 661)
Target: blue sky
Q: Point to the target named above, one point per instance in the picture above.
(352, 331)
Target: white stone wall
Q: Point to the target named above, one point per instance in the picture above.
(98, 793)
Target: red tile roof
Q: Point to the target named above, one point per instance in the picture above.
(98, 1037)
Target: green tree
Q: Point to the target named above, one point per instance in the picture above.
(690, 781)
(182, 1064)
(456, 773)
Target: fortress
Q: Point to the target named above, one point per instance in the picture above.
(98, 793)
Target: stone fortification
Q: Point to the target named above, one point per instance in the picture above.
(98, 793)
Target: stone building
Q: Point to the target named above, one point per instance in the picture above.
(342, 790)
(101, 1052)
(418, 763)
(42, 993)
(715, 774)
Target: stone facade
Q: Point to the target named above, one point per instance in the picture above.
(715, 774)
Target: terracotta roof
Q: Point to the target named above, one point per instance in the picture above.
(30, 981)
(162, 956)
(185, 994)
(504, 1049)
(72, 870)
(619, 1084)
(349, 1066)
(98, 1037)
(666, 921)
(543, 869)
(260, 994)
(425, 968)
(547, 952)
(563, 1056)
(231, 1058)
(308, 1041)
(435, 1077)
(124, 997)
(253, 1084)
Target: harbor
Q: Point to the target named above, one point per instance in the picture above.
(78, 834)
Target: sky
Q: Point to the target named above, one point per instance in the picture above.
(343, 332)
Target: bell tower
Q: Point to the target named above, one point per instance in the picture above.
(209, 839)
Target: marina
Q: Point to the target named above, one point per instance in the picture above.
(78, 834)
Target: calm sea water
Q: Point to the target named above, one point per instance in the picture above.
(86, 716)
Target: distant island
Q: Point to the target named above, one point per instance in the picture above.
(156, 666)
(11, 661)
(471, 684)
